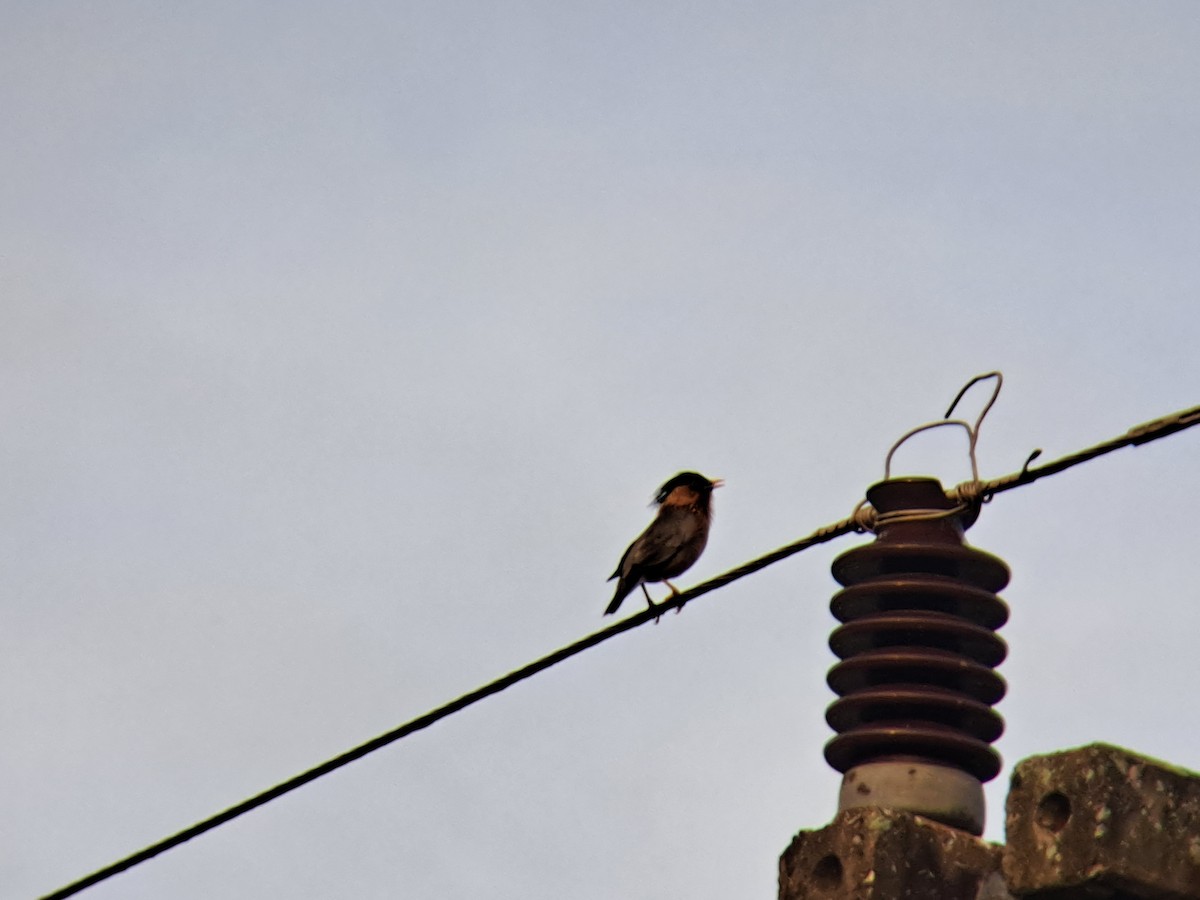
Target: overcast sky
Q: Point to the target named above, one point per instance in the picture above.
(343, 346)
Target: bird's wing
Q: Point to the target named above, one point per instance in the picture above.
(666, 536)
(657, 552)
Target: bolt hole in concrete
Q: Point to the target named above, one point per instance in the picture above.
(1053, 811)
(827, 873)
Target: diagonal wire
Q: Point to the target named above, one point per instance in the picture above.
(1140, 434)
(424, 721)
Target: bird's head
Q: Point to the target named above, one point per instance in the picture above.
(687, 489)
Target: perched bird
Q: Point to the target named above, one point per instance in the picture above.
(674, 540)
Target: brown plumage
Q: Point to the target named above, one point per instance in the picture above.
(674, 540)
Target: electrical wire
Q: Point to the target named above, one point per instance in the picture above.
(1138, 435)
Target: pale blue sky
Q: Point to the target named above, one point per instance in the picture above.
(342, 348)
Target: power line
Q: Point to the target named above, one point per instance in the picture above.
(1141, 434)
(424, 721)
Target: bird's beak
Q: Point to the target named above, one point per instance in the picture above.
(718, 482)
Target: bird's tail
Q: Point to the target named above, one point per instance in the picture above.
(624, 587)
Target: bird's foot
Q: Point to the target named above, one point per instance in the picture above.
(674, 593)
(651, 604)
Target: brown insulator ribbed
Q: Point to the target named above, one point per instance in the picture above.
(917, 645)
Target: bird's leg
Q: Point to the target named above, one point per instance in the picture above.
(651, 603)
(674, 593)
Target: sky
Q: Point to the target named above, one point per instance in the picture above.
(344, 346)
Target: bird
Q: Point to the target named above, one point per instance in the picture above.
(672, 542)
